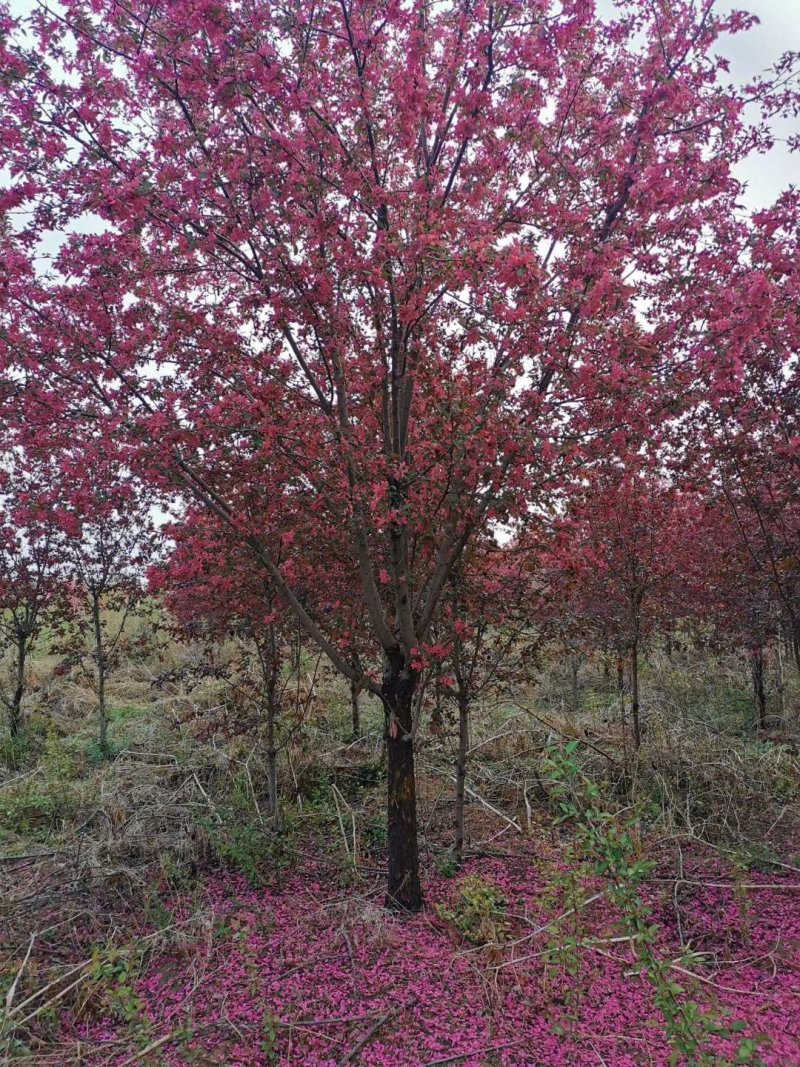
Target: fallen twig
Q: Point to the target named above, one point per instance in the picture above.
(373, 1030)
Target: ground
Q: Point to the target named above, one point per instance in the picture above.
(608, 911)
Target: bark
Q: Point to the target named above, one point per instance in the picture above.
(272, 762)
(100, 656)
(781, 686)
(399, 682)
(270, 666)
(637, 730)
(15, 708)
(461, 774)
(621, 689)
(759, 691)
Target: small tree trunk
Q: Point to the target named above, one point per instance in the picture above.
(781, 686)
(621, 689)
(461, 774)
(272, 760)
(15, 708)
(403, 890)
(637, 731)
(759, 692)
(356, 711)
(101, 674)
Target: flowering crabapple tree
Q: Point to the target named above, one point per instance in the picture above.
(734, 597)
(207, 580)
(748, 435)
(380, 265)
(31, 553)
(491, 625)
(625, 553)
(110, 541)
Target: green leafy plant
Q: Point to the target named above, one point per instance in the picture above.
(607, 844)
(478, 910)
(113, 973)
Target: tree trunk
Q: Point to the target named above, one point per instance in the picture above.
(403, 891)
(101, 674)
(637, 730)
(15, 708)
(356, 711)
(272, 762)
(621, 689)
(759, 692)
(781, 686)
(461, 774)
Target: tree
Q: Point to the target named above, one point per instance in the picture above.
(748, 437)
(208, 582)
(734, 597)
(110, 541)
(491, 626)
(624, 552)
(31, 553)
(395, 254)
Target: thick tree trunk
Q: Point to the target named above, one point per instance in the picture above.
(637, 730)
(355, 710)
(15, 708)
(759, 691)
(461, 775)
(100, 656)
(403, 890)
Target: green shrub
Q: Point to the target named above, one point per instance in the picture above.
(478, 910)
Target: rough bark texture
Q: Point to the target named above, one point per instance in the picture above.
(399, 682)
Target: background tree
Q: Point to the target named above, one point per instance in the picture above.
(31, 575)
(626, 559)
(492, 624)
(110, 542)
(206, 581)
